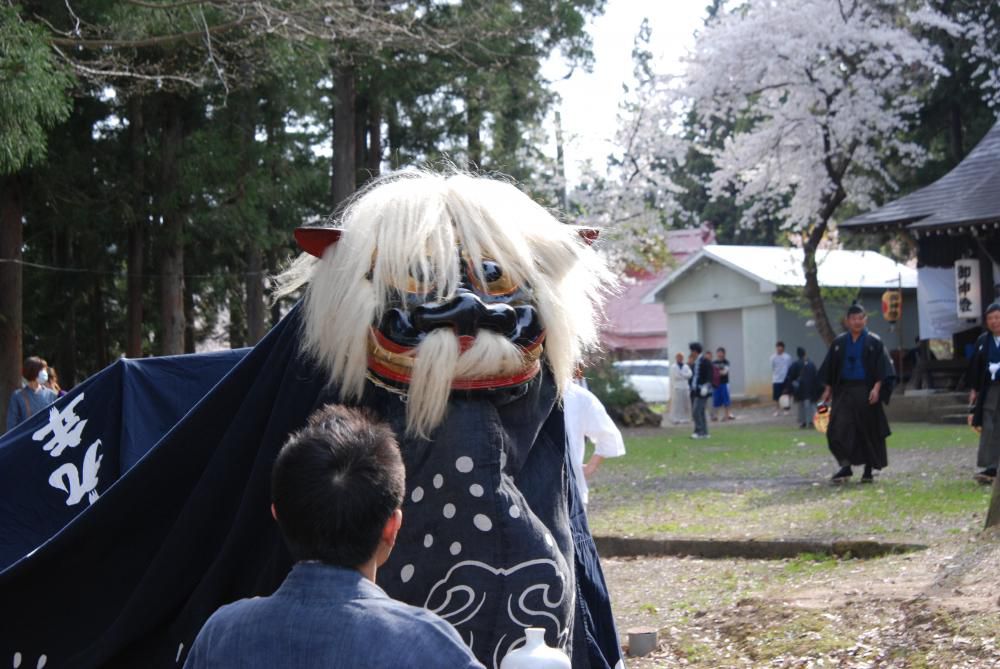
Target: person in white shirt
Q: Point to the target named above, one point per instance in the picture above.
(680, 393)
(586, 417)
(780, 362)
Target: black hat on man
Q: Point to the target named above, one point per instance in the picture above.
(994, 306)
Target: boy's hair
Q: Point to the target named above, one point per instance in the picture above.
(720, 350)
(695, 346)
(781, 344)
(335, 484)
(32, 366)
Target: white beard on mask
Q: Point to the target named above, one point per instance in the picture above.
(439, 361)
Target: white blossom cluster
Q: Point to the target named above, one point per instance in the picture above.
(819, 92)
(811, 99)
(982, 29)
(637, 195)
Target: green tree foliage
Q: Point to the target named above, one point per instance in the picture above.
(34, 91)
(955, 114)
(202, 126)
(611, 387)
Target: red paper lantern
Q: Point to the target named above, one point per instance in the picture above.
(892, 305)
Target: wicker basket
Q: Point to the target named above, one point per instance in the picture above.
(821, 421)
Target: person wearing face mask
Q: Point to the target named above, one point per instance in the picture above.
(984, 397)
(33, 396)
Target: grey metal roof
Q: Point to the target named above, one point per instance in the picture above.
(967, 195)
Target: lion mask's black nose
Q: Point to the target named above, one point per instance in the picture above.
(466, 314)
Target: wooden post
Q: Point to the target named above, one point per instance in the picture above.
(641, 641)
(993, 514)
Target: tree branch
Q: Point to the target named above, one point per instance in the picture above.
(172, 5)
(146, 42)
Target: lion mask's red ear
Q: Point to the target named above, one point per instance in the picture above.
(589, 235)
(315, 240)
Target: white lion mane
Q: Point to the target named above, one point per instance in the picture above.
(411, 223)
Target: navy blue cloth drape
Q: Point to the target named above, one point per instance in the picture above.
(128, 407)
(180, 523)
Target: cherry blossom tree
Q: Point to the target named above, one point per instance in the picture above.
(817, 94)
(801, 105)
(633, 199)
(981, 23)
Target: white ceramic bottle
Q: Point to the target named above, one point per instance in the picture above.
(534, 654)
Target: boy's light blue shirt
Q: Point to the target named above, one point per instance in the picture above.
(325, 616)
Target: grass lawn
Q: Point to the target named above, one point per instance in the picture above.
(770, 481)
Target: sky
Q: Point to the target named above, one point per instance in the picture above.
(590, 100)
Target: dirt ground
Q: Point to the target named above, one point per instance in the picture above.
(933, 608)
(938, 607)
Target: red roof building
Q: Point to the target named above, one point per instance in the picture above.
(637, 330)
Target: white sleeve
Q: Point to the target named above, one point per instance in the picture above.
(686, 371)
(601, 430)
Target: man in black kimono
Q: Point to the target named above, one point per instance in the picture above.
(984, 398)
(858, 374)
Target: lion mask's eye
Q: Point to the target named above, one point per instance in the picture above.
(497, 281)
(419, 282)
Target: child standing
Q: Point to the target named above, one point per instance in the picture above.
(720, 395)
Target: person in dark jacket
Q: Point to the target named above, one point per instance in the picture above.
(858, 375)
(802, 384)
(984, 398)
(701, 388)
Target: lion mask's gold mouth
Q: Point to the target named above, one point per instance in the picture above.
(392, 364)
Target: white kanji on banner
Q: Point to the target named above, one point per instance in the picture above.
(64, 429)
(71, 480)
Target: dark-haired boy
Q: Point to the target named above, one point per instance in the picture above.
(336, 491)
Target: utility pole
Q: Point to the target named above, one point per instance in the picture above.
(561, 162)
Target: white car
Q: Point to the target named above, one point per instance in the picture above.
(650, 378)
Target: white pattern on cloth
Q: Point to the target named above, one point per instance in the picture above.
(994, 367)
(469, 585)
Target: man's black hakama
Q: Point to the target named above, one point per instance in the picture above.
(857, 431)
